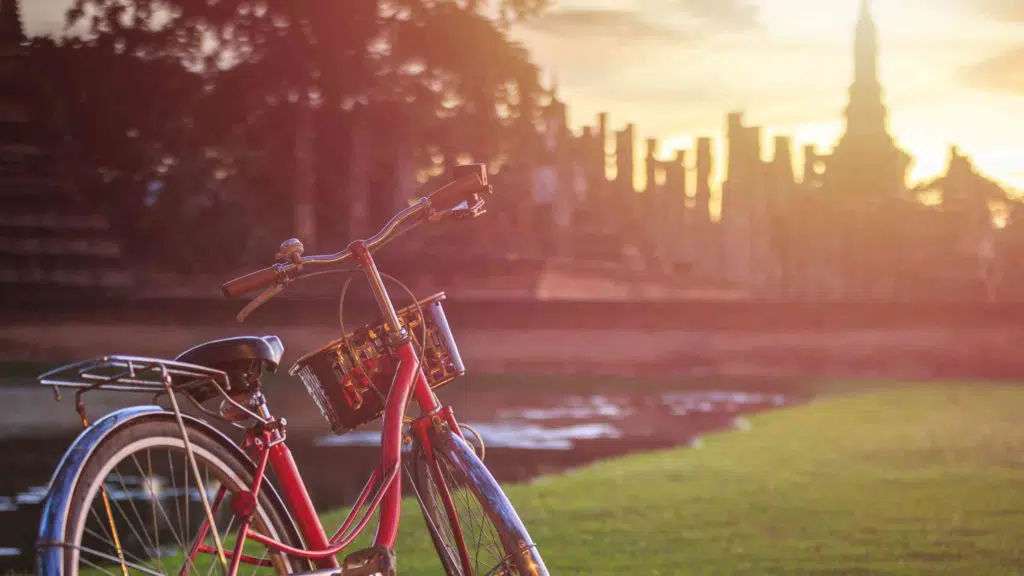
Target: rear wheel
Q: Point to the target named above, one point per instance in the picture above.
(471, 521)
(137, 508)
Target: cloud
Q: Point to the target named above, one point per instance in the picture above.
(613, 48)
(658, 20)
(584, 24)
(1005, 10)
(722, 14)
(1001, 73)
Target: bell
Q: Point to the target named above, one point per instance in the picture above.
(290, 251)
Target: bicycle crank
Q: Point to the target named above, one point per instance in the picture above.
(373, 561)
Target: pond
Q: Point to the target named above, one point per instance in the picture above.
(542, 435)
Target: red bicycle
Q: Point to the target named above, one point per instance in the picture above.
(107, 509)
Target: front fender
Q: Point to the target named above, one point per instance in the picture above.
(49, 549)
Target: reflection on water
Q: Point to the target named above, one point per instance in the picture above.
(34, 495)
(501, 435)
(594, 406)
(524, 443)
(559, 427)
(682, 403)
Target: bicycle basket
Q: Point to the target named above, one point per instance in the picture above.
(349, 382)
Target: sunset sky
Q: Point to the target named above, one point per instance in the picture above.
(953, 70)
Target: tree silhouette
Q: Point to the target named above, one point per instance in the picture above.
(132, 124)
(450, 62)
(187, 109)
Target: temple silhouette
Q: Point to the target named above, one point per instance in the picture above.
(847, 228)
(844, 226)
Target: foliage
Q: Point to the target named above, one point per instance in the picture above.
(200, 100)
(134, 123)
(438, 57)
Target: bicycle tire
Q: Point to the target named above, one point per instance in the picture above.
(147, 433)
(457, 457)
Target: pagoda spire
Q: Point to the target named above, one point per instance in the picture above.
(866, 113)
(11, 32)
(553, 89)
(865, 48)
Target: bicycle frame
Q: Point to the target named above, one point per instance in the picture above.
(268, 448)
(265, 435)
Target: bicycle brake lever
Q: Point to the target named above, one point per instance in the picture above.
(477, 209)
(259, 301)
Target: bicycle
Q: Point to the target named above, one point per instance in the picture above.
(372, 372)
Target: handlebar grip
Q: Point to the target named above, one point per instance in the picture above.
(472, 179)
(250, 282)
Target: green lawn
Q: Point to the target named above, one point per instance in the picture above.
(923, 480)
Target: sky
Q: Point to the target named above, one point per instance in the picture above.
(953, 70)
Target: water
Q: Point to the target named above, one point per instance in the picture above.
(522, 444)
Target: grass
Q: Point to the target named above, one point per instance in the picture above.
(923, 480)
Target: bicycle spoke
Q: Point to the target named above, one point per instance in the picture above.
(472, 523)
(462, 516)
(227, 530)
(174, 490)
(154, 498)
(120, 509)
(116, 560)
(131, 501)
(188, 504)
(112, 545)
(97, 566)
(482, 524)
(103, 524)
(107, 538)
(153, 505)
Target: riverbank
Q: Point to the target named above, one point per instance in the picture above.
(908, 354)
(918, 480)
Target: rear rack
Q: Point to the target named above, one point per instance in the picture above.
(141, 374)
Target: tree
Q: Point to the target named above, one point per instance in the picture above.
(132, 124)
(211, 89)
(443, 55)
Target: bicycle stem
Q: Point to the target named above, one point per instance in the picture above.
(397, 335)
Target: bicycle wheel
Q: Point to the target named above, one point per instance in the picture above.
(136, 498)
(473, 525)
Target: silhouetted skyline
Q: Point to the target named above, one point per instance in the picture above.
(675, 67)
(951, 70)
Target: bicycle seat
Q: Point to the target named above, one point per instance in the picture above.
(217, 353)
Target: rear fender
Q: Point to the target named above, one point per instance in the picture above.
(49, 551)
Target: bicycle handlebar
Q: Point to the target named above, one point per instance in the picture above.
(251, 282)
(442, 201)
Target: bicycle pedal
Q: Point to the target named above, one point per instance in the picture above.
(372, 561)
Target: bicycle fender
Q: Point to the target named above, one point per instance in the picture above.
(53, 520)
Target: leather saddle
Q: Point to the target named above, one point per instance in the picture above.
(242, 358)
